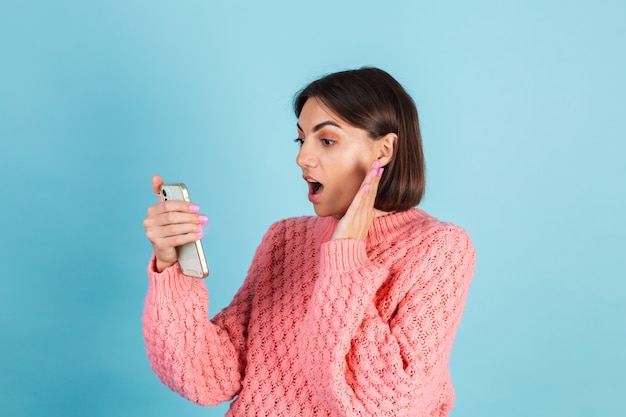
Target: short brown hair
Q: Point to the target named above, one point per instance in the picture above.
(371, 99)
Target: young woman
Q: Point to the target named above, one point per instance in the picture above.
(352, 312)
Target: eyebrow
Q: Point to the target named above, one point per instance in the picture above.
(320, 126)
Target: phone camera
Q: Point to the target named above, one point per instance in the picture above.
(164, 193)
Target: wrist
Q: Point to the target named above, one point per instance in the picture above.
(160, 266)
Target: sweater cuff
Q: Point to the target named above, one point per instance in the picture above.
(170, 283)
(343, 255)
(345, 268)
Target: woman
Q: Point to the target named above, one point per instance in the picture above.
(350, 312)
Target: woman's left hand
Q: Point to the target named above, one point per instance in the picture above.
(357, 220)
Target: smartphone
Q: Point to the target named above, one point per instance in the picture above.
(191, 255)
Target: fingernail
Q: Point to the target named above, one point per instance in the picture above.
(203, 219)
(376, 164)
(200, 234)
(194, 208)
(366, 188)
(380, 171)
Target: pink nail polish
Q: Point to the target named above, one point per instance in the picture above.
(376, 164)
(200, 234)
(380, 171)
(366, 188)
(193, 208)
(203, 219)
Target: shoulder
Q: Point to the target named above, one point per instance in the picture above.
(449, 249)
(427, 233)
(447, 232)
(437, 251)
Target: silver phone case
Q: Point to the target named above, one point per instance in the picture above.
(191, 255)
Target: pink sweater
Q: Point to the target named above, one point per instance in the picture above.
(320, 327)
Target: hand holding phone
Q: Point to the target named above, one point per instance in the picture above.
(170, 225)
(190, 255)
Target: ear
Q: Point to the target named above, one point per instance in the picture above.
(386, 148)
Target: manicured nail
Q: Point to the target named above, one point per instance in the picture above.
(380, 171)
(203, 219)
(374, 172)
(200, 234)
(193, 208)
(376, 164)
(366, 188)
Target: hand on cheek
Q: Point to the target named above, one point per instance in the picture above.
(358, 218)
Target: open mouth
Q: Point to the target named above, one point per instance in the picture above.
(314, 186)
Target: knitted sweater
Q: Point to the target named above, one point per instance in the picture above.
(321, 327)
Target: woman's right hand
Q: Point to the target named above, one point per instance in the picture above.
(169, 224)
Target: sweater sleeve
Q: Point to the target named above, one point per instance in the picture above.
(363, 363)
(192, 356)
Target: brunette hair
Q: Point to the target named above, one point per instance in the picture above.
(371, 99)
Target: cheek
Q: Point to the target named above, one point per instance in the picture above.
(362, 168)
(351, 167)
(355, 176)
(360, 161)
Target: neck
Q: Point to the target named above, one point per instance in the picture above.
(380, 213)
(377, 213)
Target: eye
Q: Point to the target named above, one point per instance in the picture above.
(328, 142)
(299, 141)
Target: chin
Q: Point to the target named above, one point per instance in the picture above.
(321, 213)
(325, 212)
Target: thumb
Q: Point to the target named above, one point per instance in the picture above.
(157, 181)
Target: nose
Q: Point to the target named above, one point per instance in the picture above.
(305, 157)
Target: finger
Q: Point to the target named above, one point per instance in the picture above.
(173, 230)
(166, 244)
(166, 237)
(372, 173)
(175, 217)
(157, 181)
(173, 206)
(366, 196)
(358, 218)
(372, 180)
(172, 224)
(376, 176)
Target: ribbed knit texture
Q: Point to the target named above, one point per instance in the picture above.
(320, 327)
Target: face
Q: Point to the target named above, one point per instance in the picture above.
(334, 157)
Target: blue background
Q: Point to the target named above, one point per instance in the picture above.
(522, 107)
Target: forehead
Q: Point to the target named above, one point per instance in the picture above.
(314, 113)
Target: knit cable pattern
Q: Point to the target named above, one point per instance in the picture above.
(320, 327)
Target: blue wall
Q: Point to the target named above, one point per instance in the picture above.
(522, 107)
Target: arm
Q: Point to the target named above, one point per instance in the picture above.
(362, 362)
(192, 356)
(202, 360)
